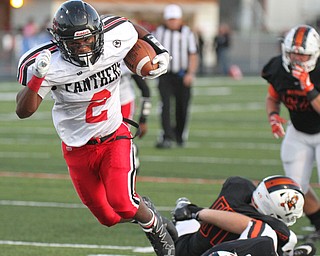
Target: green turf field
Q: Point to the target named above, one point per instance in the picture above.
(40, 213)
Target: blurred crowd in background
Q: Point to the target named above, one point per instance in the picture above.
(16, 42)
(252, 29)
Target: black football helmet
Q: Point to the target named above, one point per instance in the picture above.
(77, 24)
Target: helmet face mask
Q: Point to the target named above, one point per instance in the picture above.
(279, 197)
(301, 40)
(77, 30)
(82, 50)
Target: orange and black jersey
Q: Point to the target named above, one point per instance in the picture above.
(287, 89)
(235, 196)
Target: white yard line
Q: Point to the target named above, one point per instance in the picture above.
(83, 246)
(175, 159)
(56, 205)
(28, 155)
(211, 160)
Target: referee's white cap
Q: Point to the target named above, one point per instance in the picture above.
(172, 11)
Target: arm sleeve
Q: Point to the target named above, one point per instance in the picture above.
(145, 98)
(142, 85)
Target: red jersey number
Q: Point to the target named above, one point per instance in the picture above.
(98, 99)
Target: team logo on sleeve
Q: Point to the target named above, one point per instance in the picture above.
(116, 43)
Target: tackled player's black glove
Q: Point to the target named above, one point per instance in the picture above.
(187, 212)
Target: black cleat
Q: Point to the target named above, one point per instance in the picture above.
(159, 236)
(166, 222)
(164, 144)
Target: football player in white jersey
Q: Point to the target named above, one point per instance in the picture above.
(81, 69)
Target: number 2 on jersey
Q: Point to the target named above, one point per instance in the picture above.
(98, 99)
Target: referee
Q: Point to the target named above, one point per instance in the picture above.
(175, 85)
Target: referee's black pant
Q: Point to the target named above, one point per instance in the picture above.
(173, 91)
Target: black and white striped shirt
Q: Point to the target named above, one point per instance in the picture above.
(180, 44)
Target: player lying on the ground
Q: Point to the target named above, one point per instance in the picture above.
(249, 229)
(277, 201)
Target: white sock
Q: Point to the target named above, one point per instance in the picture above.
(147, 227)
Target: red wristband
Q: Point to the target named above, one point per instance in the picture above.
(35, 83)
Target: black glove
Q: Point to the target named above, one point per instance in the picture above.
(187, 212)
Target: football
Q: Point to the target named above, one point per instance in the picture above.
(139, 58)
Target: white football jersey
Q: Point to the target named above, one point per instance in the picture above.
(87, 101)
(127, 93)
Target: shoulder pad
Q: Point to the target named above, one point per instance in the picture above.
(109, 22)
(28, 59)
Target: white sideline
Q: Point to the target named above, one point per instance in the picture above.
(83, 246)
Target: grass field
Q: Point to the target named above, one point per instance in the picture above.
(40, 213)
